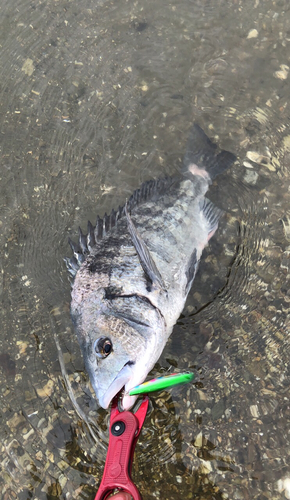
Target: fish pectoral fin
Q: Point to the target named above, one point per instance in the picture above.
(148, 265)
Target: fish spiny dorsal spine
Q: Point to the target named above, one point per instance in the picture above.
(103, 226)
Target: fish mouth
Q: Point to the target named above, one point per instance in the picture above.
(123, 378)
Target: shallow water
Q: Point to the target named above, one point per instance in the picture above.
(95, 98)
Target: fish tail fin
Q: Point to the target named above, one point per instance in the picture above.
(201, 157)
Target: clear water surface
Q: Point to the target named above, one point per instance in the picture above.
(95, 98)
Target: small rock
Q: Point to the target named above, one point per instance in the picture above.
(251, 177)
(282, 74)
(198, 440)
(46, 391)
(253, 33)
(254, 156)
(286, 142)
(248, 165)
(28, 67)
(254, 411)
(205, 467)
(284, 486)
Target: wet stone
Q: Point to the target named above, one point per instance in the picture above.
(218, 409)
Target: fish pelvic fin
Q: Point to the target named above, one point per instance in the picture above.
(148, 265)
(202, 158)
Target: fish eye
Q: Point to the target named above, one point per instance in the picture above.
(103, 347)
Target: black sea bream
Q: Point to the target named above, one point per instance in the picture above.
(134, 269)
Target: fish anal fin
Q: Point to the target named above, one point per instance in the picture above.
(212, 215)
(148, 265)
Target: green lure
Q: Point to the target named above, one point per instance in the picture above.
(157, 384)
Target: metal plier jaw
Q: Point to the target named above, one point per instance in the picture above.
(125, 428)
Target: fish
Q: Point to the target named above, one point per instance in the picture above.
(134, 268)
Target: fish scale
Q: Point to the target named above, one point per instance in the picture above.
(134, 269)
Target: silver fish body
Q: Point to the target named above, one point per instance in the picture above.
(132, 278)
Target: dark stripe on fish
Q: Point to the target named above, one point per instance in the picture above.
(112, 292)
(121, 309)
(129, 319)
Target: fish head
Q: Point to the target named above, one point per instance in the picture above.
(119, 350)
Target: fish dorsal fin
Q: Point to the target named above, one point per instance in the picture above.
(148, 265)
(108, 222)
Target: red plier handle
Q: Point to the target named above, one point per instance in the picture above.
(125, 428)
